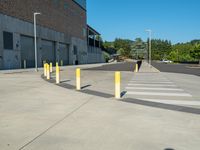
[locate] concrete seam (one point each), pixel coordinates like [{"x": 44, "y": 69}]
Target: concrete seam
[{"x": 56, "y": 123}]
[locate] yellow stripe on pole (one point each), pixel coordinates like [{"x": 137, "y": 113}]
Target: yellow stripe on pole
[
  {"x": 117, "y": 85},
  {"x": 45, "y": 69},
  {"x": 51, "y": 67},
  {"x": 48, "y": 72},
  {"x": 136, "y": 68},
  {"x": 78, "y": 79},
  {"x": 57, "y": 74}
]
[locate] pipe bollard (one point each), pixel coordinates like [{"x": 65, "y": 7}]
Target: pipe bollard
[
  {"x": 57, "y": 74},
  {"x": 45, "y": 69},
  {"x": 51, "y": 67},
  {"x": 117, "y": 85},
  {"x": 78, "y": 79},
  {"x": 136, "y": 68},
  {"x": 57, "y": 64},
  {"x": 48, "y": 72},
  {"x": 61, "y": 62},
  {"x": 24, "y": 64}
]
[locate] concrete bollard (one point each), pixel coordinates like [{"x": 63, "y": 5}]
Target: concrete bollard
[
  {"x": 117, "y": 85},
  {"x": 24, "y": 64},
  {"x": 78, "y": 79},
  {"x": 45, "y": 69},
  {"x": 48, "y": 72},
  {"x": 61, "y": 62},
  {"x": 57, "y": 74},
  {"x": 51, "y": 67},
  {"x": 136, "y": 68}
]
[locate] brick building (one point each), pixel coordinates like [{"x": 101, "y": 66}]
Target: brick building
[{"x": 62, "y": 33}]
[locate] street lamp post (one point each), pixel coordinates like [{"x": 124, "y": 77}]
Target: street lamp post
[
  {"x": 150, "y": 34},
  {"x": 35, "y": 35}
]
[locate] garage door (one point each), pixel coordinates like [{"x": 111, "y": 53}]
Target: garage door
[
  {"x": 64, "y": 53},
  {"x": 27, "y": 51},
  {"x": 48, "y": 51}
]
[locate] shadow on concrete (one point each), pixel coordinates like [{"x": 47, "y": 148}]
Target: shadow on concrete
[
  {"x": 163, "y": 106},
  {"x": 130, "y": 100},
  {"x": 86, "y": 86},
  {"x": 64, "y": 81}
]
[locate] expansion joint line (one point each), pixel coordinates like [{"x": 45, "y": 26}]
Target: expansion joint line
[{"x": 56, "y": 123}]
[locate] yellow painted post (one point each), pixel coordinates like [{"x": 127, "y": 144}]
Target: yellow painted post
[
  {"x": 117, "y": 85},
  {"x": 57, "y": 74},
  {"x": 61, "y": 62},
  {"x": 48, "y": 72},
  {"x": 45, "y": 69},
  {"x": 57, "y": 64},
  {"x": 78, "y": 79},
  {"x": 136, "y": 68},
  {"x": 24, "y": 64},
  {"x": 51, "y": 67}
]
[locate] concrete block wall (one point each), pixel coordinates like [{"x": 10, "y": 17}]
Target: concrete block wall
[
  {"x": 82, "y": 51},
  {"x": 11, "y": 59},
  {"x": 95, "y": 55}
]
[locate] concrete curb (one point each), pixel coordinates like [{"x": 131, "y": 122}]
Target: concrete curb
[{"x": 145, "y": 68}]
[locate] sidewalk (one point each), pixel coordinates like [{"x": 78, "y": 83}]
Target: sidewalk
[{"x": 146, "y": 68}]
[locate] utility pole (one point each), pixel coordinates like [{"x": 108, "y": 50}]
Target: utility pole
[
  {"x": 35, "y": 35},
  {"x": 150, "y": 35}
]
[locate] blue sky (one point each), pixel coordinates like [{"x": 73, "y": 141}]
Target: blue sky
[{"x": 175, "y": 20}]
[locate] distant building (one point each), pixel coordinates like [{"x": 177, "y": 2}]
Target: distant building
[{"x": 62, "y": 33}]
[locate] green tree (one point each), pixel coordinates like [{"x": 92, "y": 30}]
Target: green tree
[
  {"x": 196, "y": 52},
  {"x": 124, "y": 46}
]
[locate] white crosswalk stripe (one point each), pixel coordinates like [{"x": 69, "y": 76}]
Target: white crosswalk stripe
[
  {"x": 157, "y": 88},
  {"x": 159, "y": 94},
  {"x": 154, "y": 89},
  {"x": 153, "y": 85}
]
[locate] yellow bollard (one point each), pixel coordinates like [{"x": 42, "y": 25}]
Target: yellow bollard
[
  {"x": 51, "y": 67},
  {"x": 136, "y": 68},
  {"x": 78, "y": 79},
  {"x": 117, "y": 85},
  {"x": 61, "y": 62},
  {"x": 57, "y": 64},
  {"x": 57, "y": 74},
  {"x": 45, "y": 69},
  {"x": 48, "y": 72}
]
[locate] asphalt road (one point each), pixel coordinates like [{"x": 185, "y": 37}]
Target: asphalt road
[
  {"x": 177, "y": 68},
  {"x": 127, "y": 66}
]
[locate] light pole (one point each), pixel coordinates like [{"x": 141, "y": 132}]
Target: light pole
[
  {"x": 35, "y": 35},
  {"x": 150, "y": 34}
]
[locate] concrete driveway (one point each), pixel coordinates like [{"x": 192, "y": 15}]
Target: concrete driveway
[{"x": 37, "y": 115}]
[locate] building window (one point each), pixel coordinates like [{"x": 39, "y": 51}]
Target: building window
[{"x": 8, "y": 40}]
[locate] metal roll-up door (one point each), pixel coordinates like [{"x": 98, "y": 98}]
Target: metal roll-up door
[
  {"x": 48, "y": 51},
  {"x": 64, "y": 53},
  {"x": 27, "y": 52}
]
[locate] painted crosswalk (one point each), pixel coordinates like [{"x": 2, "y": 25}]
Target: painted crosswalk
[{"x": 157, "y": 88}]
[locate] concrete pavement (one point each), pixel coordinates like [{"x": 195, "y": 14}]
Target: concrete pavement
[{"x": 39, "y": 115}]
